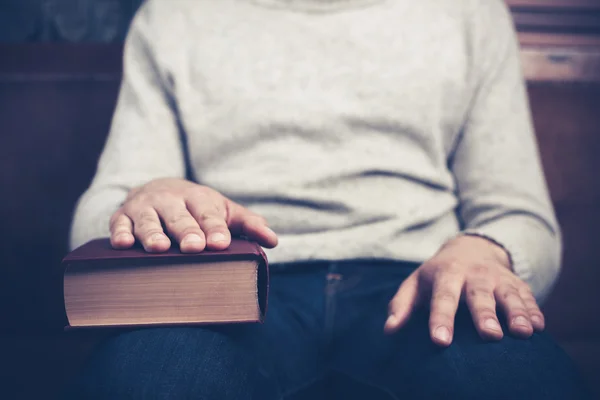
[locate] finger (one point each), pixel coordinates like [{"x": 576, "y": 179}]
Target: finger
[
  {"x": 403, "y": 303},
  {"x": 535, "y": 314},
  {"x": 121, "y": 231},
  {"x": 482, "y": 304},
  {"x": 210, "y": 216},
  {"x": 182, "y": 226},
  {"x": 509, "y": 299},
  {"x": 446, "y": 289},
  {"x": 148, "y": 230},
  {"x": 242, "y": 221}
]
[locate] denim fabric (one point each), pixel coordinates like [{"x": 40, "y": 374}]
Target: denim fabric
[{"x": 323, "y": 339}]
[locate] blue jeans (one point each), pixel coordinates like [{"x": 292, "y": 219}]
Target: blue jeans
[{"x": 323, "y": 339}]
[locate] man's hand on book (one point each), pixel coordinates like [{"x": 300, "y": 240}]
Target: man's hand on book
[
  {"x": 477, "y": 271},
  {"x": 196, "y": 216}
]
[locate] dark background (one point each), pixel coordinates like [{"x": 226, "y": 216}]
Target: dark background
[{"x": 74, "y": 21}]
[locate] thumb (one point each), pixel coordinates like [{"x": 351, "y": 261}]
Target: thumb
[
  {"x": 242, "y": 221},
  {"x": 403, "y": 303}
]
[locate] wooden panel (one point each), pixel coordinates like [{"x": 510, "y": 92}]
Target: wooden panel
[
  {"x": 560, "y": 64},
  {"x": 562, "y": 40},
  {"x": 577, "y": 19},
  {"x": 567, "y": 21},
  {"x": 567, "y": 122}
]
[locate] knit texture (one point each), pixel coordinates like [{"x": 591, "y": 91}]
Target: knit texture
[{"x": 359, "y": 129}]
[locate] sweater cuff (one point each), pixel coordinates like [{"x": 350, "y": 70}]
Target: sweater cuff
[{"x": 519, "y": 262}]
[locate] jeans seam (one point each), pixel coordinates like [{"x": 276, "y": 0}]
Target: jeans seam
[{"x": 331, "y": 288}]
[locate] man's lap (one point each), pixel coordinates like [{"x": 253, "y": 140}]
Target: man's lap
[
  {"x": 328, "y": 322},
  {"x": 247, "y": 361},
  {"x": 407, "y": 365}
]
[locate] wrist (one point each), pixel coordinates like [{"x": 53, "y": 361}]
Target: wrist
[{"x": 497, "y": 250}]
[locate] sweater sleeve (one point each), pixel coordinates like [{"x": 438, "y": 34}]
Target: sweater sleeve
[
  {"x": 501, "y": 185},
  {"x": 144, "y": 141}
]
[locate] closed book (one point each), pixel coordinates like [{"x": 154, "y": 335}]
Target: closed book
[{"x": 106, "y": 287}]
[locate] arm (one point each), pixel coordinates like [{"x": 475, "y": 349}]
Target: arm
[
  {"x": 496, "y": 164},
  {"x": 143, "y": 143}
]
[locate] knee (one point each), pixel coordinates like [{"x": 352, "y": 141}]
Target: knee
[
  {"x": 511, "y": 368},
  {"x": 168, "y": 363}
]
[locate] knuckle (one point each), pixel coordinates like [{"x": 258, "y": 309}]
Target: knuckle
[
  {"x": 161, "y": 197},
  {"x": 446, "y": 274},
  {"x": 145, "y": 226},
  {"x": 453, "y": 267},
  {"x": 533, "y": 308},
  {"x": 511, "y": 295},
  {"x": 146, "y": 223},
  {"x": 526, "y": 290},
  {"x": 536, "y": 313},
  {"x": 130, "y": 207},
  {"x": 527, "y": 297},
  {"x": 198, "y": 193},
  {"x": 480, "y": 292},
  {"x": 209, "y": 217},
  {"x": 486, "y": 312},
  {"x": 178, "y": 218},
  {"x": 479, "y": 270},
  {"x": 141, "y": 197},
  {"x": 120, "y": 230},
  {"x": 203, "y": 189},
  {"x": 120, "y": 225},
  {"x": 509, "y": 291},
  {"x": 146, "y": 216},
  {"x": 191, "y": 230},
  {"x": 150, "y": 232},
  {"x": 444, "y": 296},
  {"x": 530, "y": 302},
  {"x": 518, "y": 311}
]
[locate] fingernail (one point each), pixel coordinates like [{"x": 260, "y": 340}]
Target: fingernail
[
  {"x": 520, "y": 320},
  {"x": 492, "y": 324},
  {"x": 217, "y": 237},
  {"x": 391, "y": 321},
  {"x": 443, "y": 334},
  {"x": 270, "y": 231},
  {"x": 192, "y": 238}
]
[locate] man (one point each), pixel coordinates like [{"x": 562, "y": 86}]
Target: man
[{"x": 389, "y": 146}]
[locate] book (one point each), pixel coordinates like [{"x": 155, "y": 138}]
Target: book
[{"x": 106, "y": 287}]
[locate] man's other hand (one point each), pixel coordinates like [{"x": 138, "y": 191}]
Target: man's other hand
[
  {"x": 196, "y": 216},
  {"x": 474, "y": 270}
]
